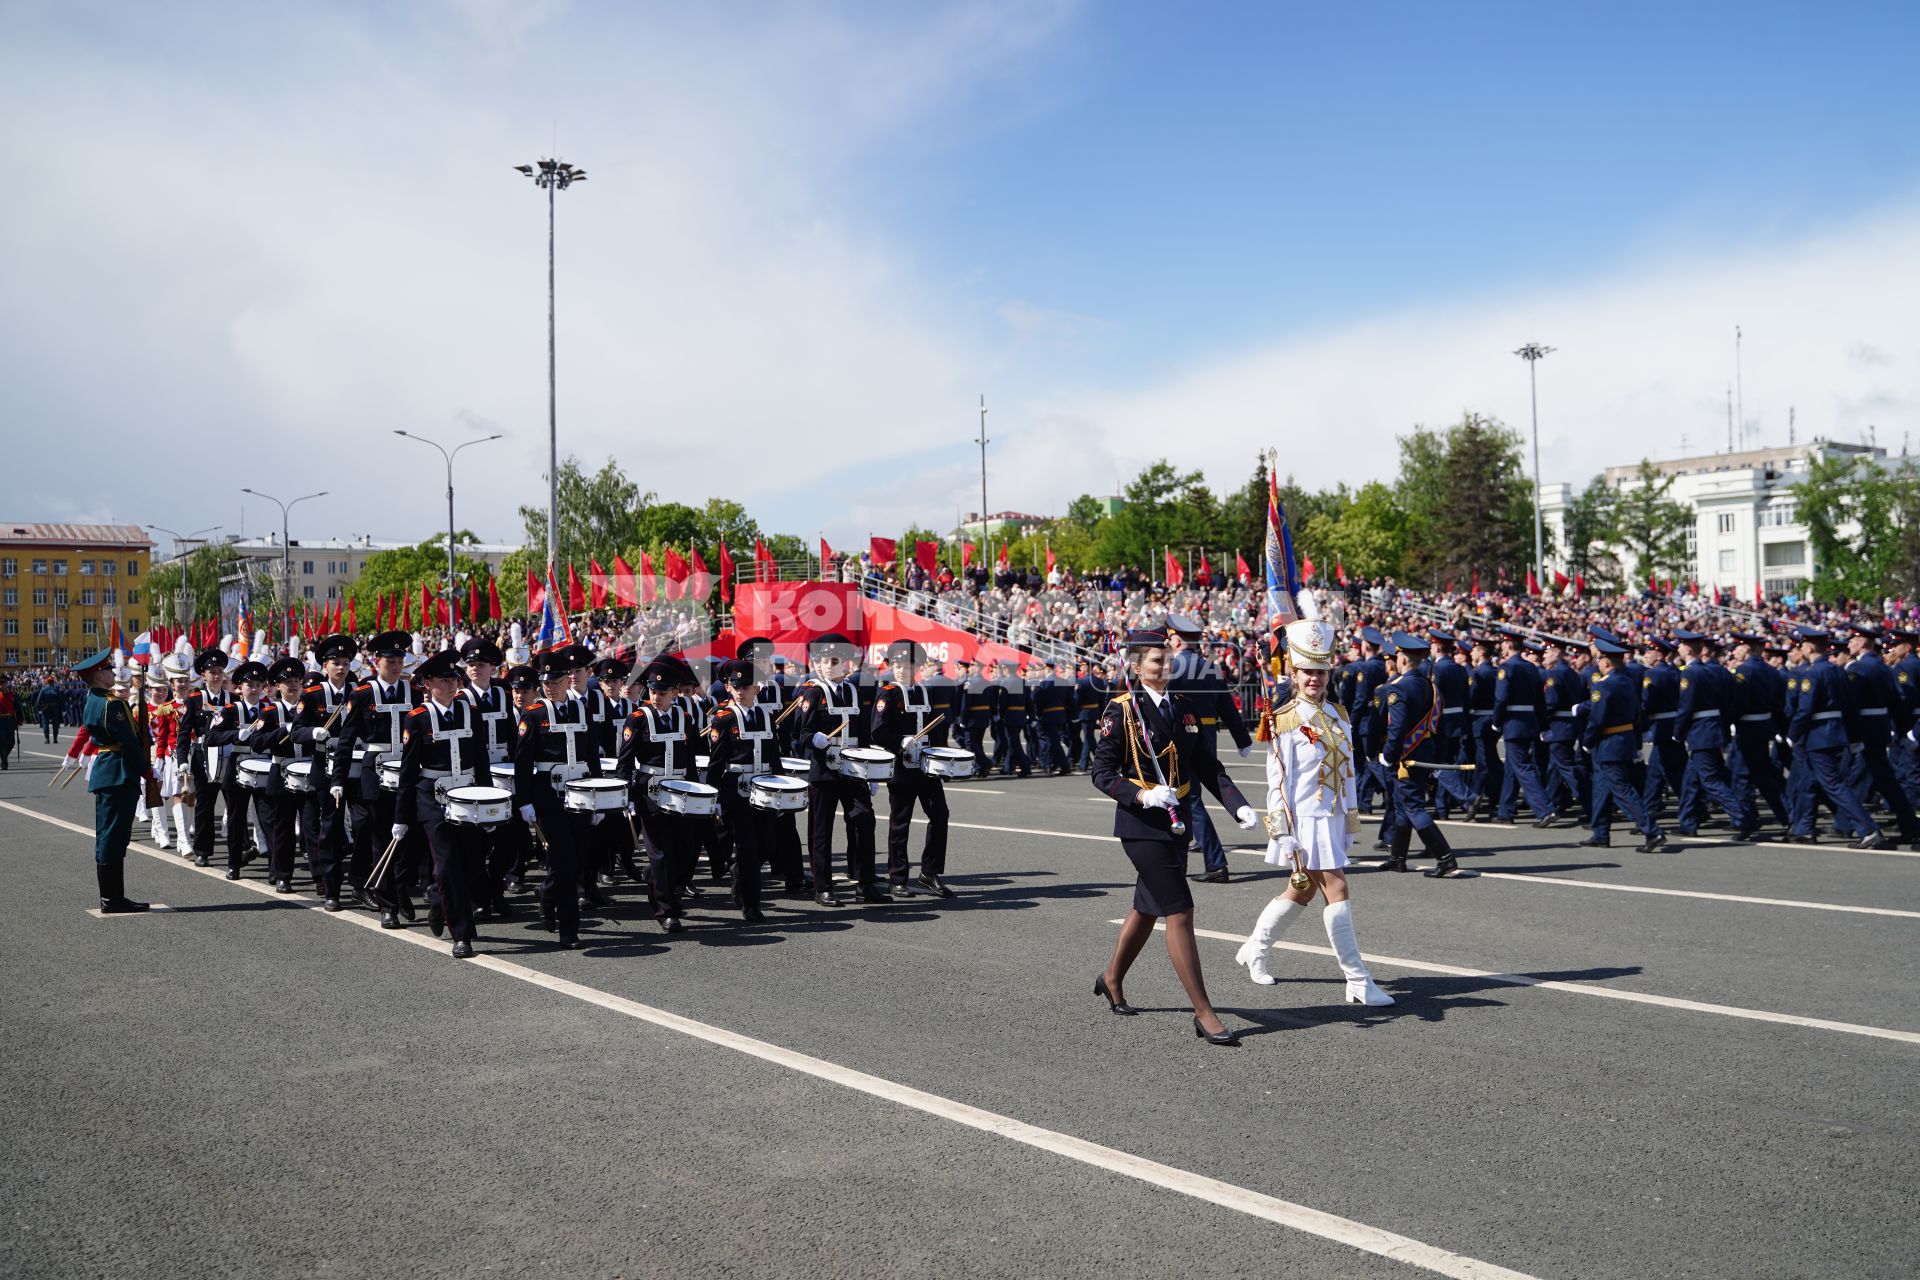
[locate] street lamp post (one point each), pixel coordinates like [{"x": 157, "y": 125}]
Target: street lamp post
[
  {"x": 181, "y": 594},
  {"x": 1533, "y": 353},
  {"x": 986, "y": 545},
  {"x": 449, "y": 458},
  {"x": 286, "y": 552},
  {"x": 553, "y": 175}
]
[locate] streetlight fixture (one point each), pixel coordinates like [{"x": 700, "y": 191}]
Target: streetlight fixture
[
  {"x": 552, "y": 176},
  {"x": 286, "y": 551},
  {"x": 1533, "y": 353},
  {"x": 449, "y": 458},
  {"x": 180, "y": 596}
]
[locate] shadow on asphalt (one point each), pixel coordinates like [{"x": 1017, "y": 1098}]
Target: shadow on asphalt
[{"x": 1427, "y": 998}]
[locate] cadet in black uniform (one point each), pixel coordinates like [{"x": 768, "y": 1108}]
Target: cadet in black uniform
[
  {"x": 555, "y": 747},
  {"x": 323, "y": 822},
  {"x": 979, "y": 704},
  {"x": 524, "y": 681},
  {"x": 901, "y": 715},
  {"x": 1009, "y": 740},
  {"x": 740, "y": 745},
  {"x": 656, "y": 745},
  {"x": 370, "y": 732},
  {"x": 230, "y": 733},
  {"x": 608, "y": 706},
  {"x": 440, "y": 751},
  {"x": 1412, "y": 735},
  {"x": 829, "y": 719},
  {"x": 1149, "y": 755},
  {"x": 1054, "y": 702},
  {"x": 281, "y": 735},
  {"x": 211, "y": 768},
  {"x": 495, "y": 725}
]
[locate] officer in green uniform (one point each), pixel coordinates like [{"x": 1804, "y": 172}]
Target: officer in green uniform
[{"x": 119, "y": 772}]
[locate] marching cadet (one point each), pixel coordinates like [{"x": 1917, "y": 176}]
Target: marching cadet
[
  {"x": 776, "y": 699},
  {"x": 1905, "y": 661},
  {"x": 903, "y": 723},
  {"x": 496, "y": 722},
  {"x": 1660, "y": 704},
  {"x": 1410, "y": 737},
  {"x": 739, "y": 746},
  {"x": 1363, "y": 709},
  {"x": 609, "y": 706},
  {"x": 209, "y": 769},
  {"x": 119, "y": 772},
  {"x": 1450, "y": 687},
  {"x": 440, "y": 752},
  {"x": 555, "y": 747},
  {"x": 979, "y": 704},
  {"x": 655, "y": 745},
  {"x": 1564, "y": 696},
  {"x": 1053, "y": 705},
  {"x": 1009, "y": 742},
  {"x": 828, "y": 720},
  {"x": 323, "y": 816},
  {"x": 235, "y": 725},
  {"x": 370, "y": 732},
  {"x": 1879, "y": 719},
  {"x": 524, "y": 681},
  {"x": 1759, "y": 699},
  {"x": 1612, "y": 740},
  {"x": 1090, "y": 697},
  {"x": 1707, "y": 703},
  {"x": 1489, "y": 771},
  {"x": 1202, "y": 689},
  {"x": 276, "y": 730},
  {"x": 1819, "y": 727},
  {"x": 177, "y": 675},
  {"x": 1516, "y": 709},
  {"x": 696, "y": 710}
]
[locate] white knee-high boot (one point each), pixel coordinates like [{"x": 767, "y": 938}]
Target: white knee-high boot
[
  {"x": 1338, "y": 918},
  {"x": 158, "y": 816},
  {"x": 1253, "y": 952},
  {"x": 180, "y": 826}
]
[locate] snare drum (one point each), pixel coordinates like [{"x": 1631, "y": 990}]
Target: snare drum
[
  {"x": 389, "y": 775},
  {"x": 772, "y": 791},
  {"x": 479, "y": 806},
  {"x": 298, "y": 775},
  {"x": 946, "y": 762},
  {"x": 676, "y": 795},
  {"x": 799, "y": 766},
  {"x": 869, "y": 764},
  {"x": 253, "y": 774},
  {"x": 595, "y": 795},
  {"x": 701, "y": 764},
  {"x": 610, "y": 765}
]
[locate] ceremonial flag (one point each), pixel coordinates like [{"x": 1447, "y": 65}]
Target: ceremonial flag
[
  {"x": 406, "y": 611},
  {"x": 440, "y": 611},
  {"x": 1240, "y": 571},
  {"x": 622, "y": 583},
  {"x": 1003, "y": 555},
  {"x": 597, "y": 580},
  {"x": 649, "y": 588},
  {"x": 114, "y": 639},
  {"x": 553, "y": 624},
  {"x": 1283, "y": 583},
  {"x": 1560, "y": 580},
  {"x": 536, "y": 595},
  {"x": 726, "y": 571},
  {"x": 1759, "y": 596},
  {"x": 473, "y": 599},
  {"x": 493, "y": 599},
  {"x": 826, "y": 555},
  {"x": 883, "y": 550},
  {"x": 1339, "y": 571},
  {"x": 1475, "y": 588},
  {"x": 702, "y": 582},
  {"x": 1667, "y": 587},
  {"x": 1533, "y": 584},
  {"x": 966, "y": 556},
  {"x": 763, "y": 567},
  {"x": 353, "y": 621},
  {"x": 1306, "y": 568},
  {"x": 1203, "y": 559},
  {"x": 1579, "y": 584},
  {"x": 676, "y": 573},
  {"x": 576, "y": 598},
  {"x": 1653, "y": 586},
  {"x": 1175, "y": 574}
]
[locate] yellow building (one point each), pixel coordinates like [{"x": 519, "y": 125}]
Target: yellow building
[{"x": 62, "y": 587}]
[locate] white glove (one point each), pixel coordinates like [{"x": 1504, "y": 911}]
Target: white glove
[
  {"x": 245, "y": 731},
  {"x": 321, "y": 735},
  {"x": 1161, "y": 797},
  {"x": 1245, "y": 817},
  {"x": 1246, "y": 751},
  {"x": 821, "y": 741},
  {"x": 338, "y": 793},
  {"x": 597, "y": 818},
  {"x": 399, "y": 831},
  {"x": 526, "y": 814},
  {"x": 911, "y": 753}
]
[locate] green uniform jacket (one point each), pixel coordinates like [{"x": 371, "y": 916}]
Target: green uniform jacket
[{"x": 125, "y": 754}]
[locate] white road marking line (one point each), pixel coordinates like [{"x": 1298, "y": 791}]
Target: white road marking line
[
  {"x": 1286, "y": 1213},
  {"x": 1694, "y": 893},
  {"x": 1588, "y": 989},
  {"x": 153, "y": 908},
  {"x": 1680, "y": 841}
]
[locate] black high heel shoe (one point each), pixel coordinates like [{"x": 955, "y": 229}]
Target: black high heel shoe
[
  {"x": 1114, "y": 1006},
  {"x": 1227, "y": 1037}
]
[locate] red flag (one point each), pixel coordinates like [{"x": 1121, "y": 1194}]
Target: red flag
[
  {"x": 966, "y": 556},
  {"x": 380, "y": 612},
  {"x": 1693, "y": 588},
  {"x": 763, "y": 570},
  {"x": 1205, "y": 573},
  {"x": 440, "y": 610},
  {"x": 1759, "y": 596},
  {"x": 473, "y": 599},
  {"x": 1002, "y": 557},
  {"x": 406, "y": 611},
  {"x": 1475, "y": 588},
  {"x": 353, "y": 621},
  {"x": 1653, "y": 585},
  {"x": 1049, "y": 557},
  {"x": 1533, "y": 584},
  {"x": 426, "y": 605},
  {"x": 1560, "y": 580},
  {"x": 826, "y": 557},
  {"x": 597, "y": 581},
  {"x": 1667, "y": 587},
  {"x": 648, "y": 587},
  {"x": 1175, "y": 574},
  {"x": 1579, "y": 584},
  {"x": 702, "y": 583},
  {"x": 1240, "y": 569},
  {"x": 726, "y": 572},
  {"x": 576, "y": 598},
  {"x": 676, "y": 572},
  {"x": 1306, "y": 567},
  {"x": 536, "y": 594},
  {"x": 927, "y": 556},
  {"x": 622, "y": 583},
  {"x": 493, "y": 599},
  {"x": 883, "y": 550}
]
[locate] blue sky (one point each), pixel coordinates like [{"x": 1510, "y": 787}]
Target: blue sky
[{"x": 814, "y": 234}]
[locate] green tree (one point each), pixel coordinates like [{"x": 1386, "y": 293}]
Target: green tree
[
  {"x": 1368, "y": 538},
  {"x": 1419, "y": 488},
  {"x": 1086, "y": 511},
  {"x": 1589, "y": 534},
  {"x": 1148, "y": 523},
  {"x": 202, "y": 568},
  {"x": 1652, "y": 527},
  {"x": 407, "y": 569},
  {"x": 1852, "y": 507},
  {"x": 1484, "y": 523},
  {"x": 1906, "y": 561},
  {"x": 595, "y": 513}
]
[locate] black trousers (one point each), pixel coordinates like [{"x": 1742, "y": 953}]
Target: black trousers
[
  {"x": 669, "y": 855},
  {"x": 905, "y": 789},
  {"x": 824, "y": 798},
  {"x": 455, "y": 854},
  {"x": 323, "y": 827},
  {"x": 205, "y": 795},
  {"x": 566, "y": 835},
  {"x": 277, "y": 810},
  {"x": 238, "y": 800},
  {"x": 757, "y": 840}
]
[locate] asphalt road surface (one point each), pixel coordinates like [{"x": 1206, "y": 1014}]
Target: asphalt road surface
[{"x": 1601, "y": 1064}]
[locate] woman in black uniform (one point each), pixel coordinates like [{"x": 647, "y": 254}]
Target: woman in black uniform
[{"x": 1148, "y": 755}]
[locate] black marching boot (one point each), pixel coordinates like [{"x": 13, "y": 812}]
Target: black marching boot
[
  {"x": 1397, "y": 851},
  {"x": 1434, "y": 841},
  {"x": 113, "y": 890}
]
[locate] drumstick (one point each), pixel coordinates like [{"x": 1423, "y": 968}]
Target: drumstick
[
  {"x": 929, "y": 729},
  {"x": 60, "y": 769},
  {"x": 380, "y": 867},
  {"x": 791, "y": 707},
  {"x": 71, "y": 777}
]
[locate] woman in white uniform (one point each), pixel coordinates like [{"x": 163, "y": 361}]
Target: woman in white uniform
[{"x": 1310, "y": 812}]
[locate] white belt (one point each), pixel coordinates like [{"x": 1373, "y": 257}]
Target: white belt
[
  {"x": 1519, "y": 706},
  {"x": 1566, "y": 715},
  {"x": 1663, "y": 715},
  {"x": 1871, "y": 711},
  {"x": 496, "y": 755},
  {"x": 1757, "y": 717},
  {"x": 1711, "y": 713},
  {"x": 465, "y": 775},
  {"x": 1826, "y": 715}
]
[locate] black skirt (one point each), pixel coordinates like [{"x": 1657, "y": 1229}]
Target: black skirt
[{"x": 1162, "y": 888}]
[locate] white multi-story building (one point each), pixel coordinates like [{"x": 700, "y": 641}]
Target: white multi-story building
[
  {"x": 1745, "y": 531},
  {"x": 321, "y": 571}
]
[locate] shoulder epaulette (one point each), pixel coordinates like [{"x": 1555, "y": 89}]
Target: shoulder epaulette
[
  {"x": 1288, "y": 717},
  {"x": 1120, "y": 697},
  {"x": 364, "y": 684},
  {"x": 312, "y": 688},
  {"x": 418, "y": 710}
]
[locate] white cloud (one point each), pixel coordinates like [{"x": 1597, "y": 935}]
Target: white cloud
[{"x": 1642, "y": 364}]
